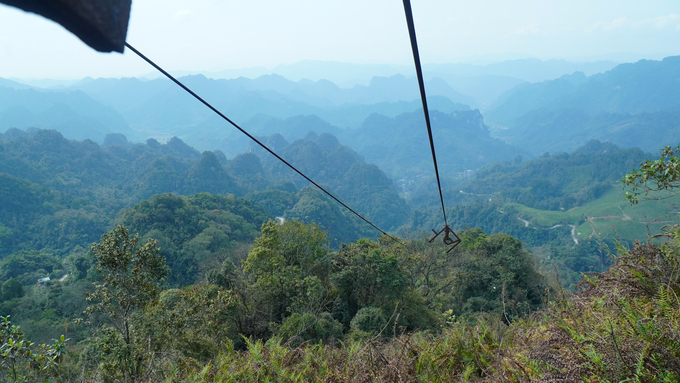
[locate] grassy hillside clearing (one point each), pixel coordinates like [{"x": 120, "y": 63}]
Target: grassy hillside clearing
[{"x": 610, "y": 216}]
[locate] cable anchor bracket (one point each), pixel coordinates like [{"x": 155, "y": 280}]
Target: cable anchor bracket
[{"x": 447, "y": 237}]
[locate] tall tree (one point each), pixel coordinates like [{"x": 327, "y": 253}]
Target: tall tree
[
  {"x": 289, "y": 269},
  {"x": 131, "y": 279}
]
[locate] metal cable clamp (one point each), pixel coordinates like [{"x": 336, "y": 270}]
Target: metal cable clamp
[{"x": 447, "y": 237}]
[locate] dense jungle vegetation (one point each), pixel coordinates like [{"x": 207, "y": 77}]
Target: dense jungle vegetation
[
  {"x": 169, "y": 264},
  {"x": 145, "y": 320}
]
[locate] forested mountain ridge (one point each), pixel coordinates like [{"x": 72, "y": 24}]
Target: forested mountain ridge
[
  {"x": 644, "y": 86},
  {"x": 400, "y": 145},
  {"x": 362, "y": 185},
  {"x": 561, "y": 181},
  {"x": 75, "y": 189},
  {"x": 566, "y": 207},
  {"x": 621, "y": 105}
]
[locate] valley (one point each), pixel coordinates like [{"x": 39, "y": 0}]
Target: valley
[{"x": 248, "y": 255}]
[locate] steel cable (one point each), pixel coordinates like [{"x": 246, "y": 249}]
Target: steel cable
[
  {"x": 169, "y": 76},
  {"x": 421, "y": 84}
]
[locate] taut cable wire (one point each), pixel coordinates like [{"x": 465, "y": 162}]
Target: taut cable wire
[
  {"x": 419, "y": 71},
  {"x": 168, "y": 75},
  {"x": 421, "y": 84}
]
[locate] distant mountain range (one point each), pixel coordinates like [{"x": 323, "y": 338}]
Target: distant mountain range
[
  {"x": 142, "y": 109},
  {"x": 375, "y": 120},
  {"x": 484, "y": 83},
  {"x": 73, "y": 113},
  {"x": 348, "y": 75},
  {"x": 143, "y": 102},
  {"x": 631, "y": 105}
]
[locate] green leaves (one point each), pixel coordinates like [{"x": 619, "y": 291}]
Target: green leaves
[
  {"x": 131, "y": 276},
  {"x": 20, "y": 361},
  {"x": 192, "y": 231},
  {"x": 288, "y": 269},
  {"x": 654, "y": 176}
]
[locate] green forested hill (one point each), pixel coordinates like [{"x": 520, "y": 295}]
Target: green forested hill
[
  {"x": 561, "y": 181},
  {"x": 22, "y": 202},
  {"x": 197, "y": 232},
  {"x": 400, "y": 145},
  {"x": 75, "y": 189},
  {"x": 567, "y": 207},
  {"x": 365, "y": 187}
]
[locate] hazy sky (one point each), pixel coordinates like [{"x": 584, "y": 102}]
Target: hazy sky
[{"x": 212, "y": 35}]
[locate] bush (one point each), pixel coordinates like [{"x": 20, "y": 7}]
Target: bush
[
  {"x": 299, "y": 328},
  {"x": 370, "y": 320}
]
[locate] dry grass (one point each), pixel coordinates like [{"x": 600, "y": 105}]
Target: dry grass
[
  {"x": 462, "y": 352},
  {"x": 622, "y": 326}
]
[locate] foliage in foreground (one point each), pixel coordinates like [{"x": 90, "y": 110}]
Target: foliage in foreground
[
  {"x": 624, "y": 325},
  {"x": 460, "y": 352},
  {"x": 22, "y": 361},
  {"x": 293, "y": 292},
  {"x": 296, "y": 311},
  {"x": 655, "y": 176}
]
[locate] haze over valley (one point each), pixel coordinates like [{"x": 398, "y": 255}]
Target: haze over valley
[
  {"x": 145, "y": 238},
  {"x": 368, "y": 142}
]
